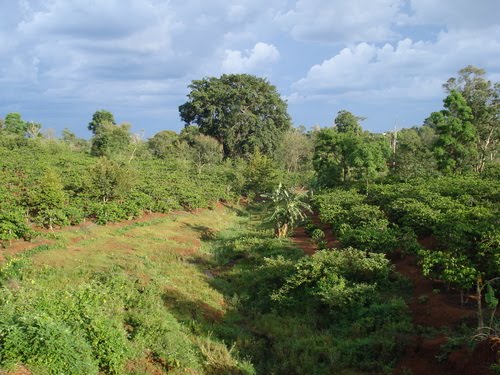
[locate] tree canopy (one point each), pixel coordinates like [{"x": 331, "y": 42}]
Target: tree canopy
[
  {"x": 241, "y": 111},
  {"x": 347, "y": 122},
  {"x": 109, "y": 138},
  {"x": 100, "y": 118},
  {"x": 483, "y": 98},
  {"x": 456, "y": 135},
  {"x": 345, "y": 153},
  {"x": 14, "y": 124}
]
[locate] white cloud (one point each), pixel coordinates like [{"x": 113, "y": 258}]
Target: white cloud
[
  {"x": 407, "y": 69},
  {"x": 140, "y": 55},
  {"x": 257, "y": 59},
  {"x": 338, "y": 21}
]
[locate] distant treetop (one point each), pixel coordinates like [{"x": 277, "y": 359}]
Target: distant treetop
[{"x": 241, "y": 111}]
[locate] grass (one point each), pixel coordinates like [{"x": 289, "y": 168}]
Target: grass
[{"x": 149, "y": 302}]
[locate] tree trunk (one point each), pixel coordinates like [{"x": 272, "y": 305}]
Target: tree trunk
[
  {"x": 283, "y": 230},
  {"x": 479, "y": 296}
]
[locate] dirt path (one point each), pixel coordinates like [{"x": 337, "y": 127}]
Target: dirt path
[
  {"x": 19, "y": 246},
  {"x": 302, "y": 240}
]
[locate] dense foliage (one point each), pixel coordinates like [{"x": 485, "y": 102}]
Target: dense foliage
[{"x": 241, "y": 111}]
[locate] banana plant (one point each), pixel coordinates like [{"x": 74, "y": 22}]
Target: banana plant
[{"x": 288, "y": 209}]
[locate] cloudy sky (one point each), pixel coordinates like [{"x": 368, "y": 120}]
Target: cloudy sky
[{"x": 61, "y": 60}]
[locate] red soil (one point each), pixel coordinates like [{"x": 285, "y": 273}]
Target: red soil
[
  {"x": 304, "y": 242},
  {"x": 431, "y": 306}
]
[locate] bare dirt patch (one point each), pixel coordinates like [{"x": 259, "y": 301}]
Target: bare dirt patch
[
  {"x": 302, "y": 240},
  {"x": 20, "y": 371},
  {"x": 19, "y": 246}
]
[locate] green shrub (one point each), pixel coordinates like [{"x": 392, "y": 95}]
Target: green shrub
[
  {"x": 13, "y": 225},
  {"x": 409, "y": 212},
  {"x": 317, "y": 235},
  {"x": 44, "y": 344},
  {"x": 74, "y": 215},
  {"x": 345, "y": 210},
  {"x": 369, "y": 238},
  {"x": 407, "y": 240},
  {"x": 338, "y": 279},
  {"x": 105, "y": 212},
  {"x": 153, "y": 329},
  {"x": 309, "y": 227}
]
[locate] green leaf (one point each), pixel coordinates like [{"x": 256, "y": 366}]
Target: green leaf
[{"x": 490, "y": 298}]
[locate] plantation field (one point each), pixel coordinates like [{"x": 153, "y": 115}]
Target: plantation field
[
  {"x": 207, "y": 292},
  {"x": 243, "y": 245}
]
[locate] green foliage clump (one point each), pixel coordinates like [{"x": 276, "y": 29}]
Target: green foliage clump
[
  {"x": 241, "y": 111},
  {"x": 44, "y": 344},
  {"x": 318, "y": 236},
  {"x": 331, "y": 312},
  {"x": 370, "y": 238},
  {"x": 411, "y": 213},
  {"x": 344, "y": 154},
  {"x": 455, "y": 146},
  {"x": 46, "y": 200},
  {"x": 453, "y": 269},
  {"x": 333, "y": 204},
  {"x": 13, "y": 225},
  {"x": 339, "y": 279},
  {"x": 94, "y": 326},
  {"x": 260, "y": 175}
]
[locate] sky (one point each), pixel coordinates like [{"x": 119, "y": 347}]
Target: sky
[{"x": 386, "y": 60}]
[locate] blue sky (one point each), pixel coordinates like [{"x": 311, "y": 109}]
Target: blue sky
[{"x": 61, "y": 60}]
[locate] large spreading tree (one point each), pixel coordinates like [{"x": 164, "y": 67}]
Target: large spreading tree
[{"x": 241, "y": 111}]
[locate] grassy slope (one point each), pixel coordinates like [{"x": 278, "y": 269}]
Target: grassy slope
[{"x": 159, "y": 257}]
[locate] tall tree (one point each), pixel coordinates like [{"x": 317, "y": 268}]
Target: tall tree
[
  {"x": 163, "y": 144},
  {"x": 241, "y": 111},
  {"x": 483, "y": 98},
  {"x": 413, "y": 154},
  {"x": 347, "y": 122},
  {"x": 345, "y": 153},
  {"x": 456, "y": 136},
  {"x": 110, "y": 139},
  {"x": 295, "y": 151},
  {"x": 205, "y": 150},
  {"x": 100, "y": 118},
  {"x": 14, "y": 124}
]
